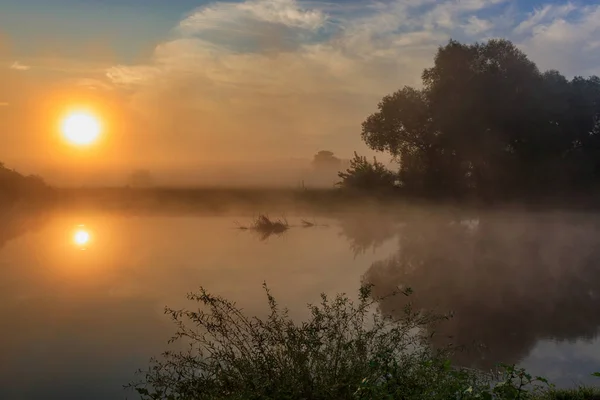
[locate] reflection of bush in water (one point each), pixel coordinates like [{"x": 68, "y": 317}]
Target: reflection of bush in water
[
  {"x": 367, "y": 232},
  {"x": 511, "y": 280},
  {"x": 22, "y": 199}
]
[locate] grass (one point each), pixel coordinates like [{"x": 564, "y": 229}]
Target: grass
[
  {"x": 308, "y": 224},
  {"x": 268, "y": 227},
  {"x": 272, "y": 226},
  {"x": 582, "y": 393},
  {"x": 345, "y": 350}
]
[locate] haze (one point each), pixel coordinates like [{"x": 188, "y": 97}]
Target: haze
[
  {"x": 151, "y": 148},
  {"x": 194, "y": 91}
]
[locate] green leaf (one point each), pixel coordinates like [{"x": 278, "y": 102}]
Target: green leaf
[
  {"x": 486, "y": 396},
  {"x": 596, "y": 374},
  {"x": 447, "y": 365}
]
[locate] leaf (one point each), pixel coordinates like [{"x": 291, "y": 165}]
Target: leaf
[
  {"x": 596, "y": 374},
  {"x": 447, "y": 365}
]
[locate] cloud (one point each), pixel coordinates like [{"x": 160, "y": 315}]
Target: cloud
[
  {"x": 566, "y": 44},
  {"x": 121, "y": 74},
  {"x": 544, "y": 14},
  {"x": 19, "y": 67},
  {"x": 4, "y": 104},
  {"x": 282, "y": 76},
  {"x": 283, "y": 12},
  {"x": 448, "y": 14},
  {"x": 475, "y": 25}
]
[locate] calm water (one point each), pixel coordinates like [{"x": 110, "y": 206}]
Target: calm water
[{"x": 79, "y": 318}]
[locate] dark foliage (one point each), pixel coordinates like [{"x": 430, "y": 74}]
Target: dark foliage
[
  {"x": 487, "y": 123},
  {"x": 345, "y": 350},
  {"x": 15, "y": 187},
  {"x": 325, "y": 159},
  {"x": 365, "y": 176}
]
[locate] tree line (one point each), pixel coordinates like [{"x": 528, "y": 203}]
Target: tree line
[
  {"x": 486, "y": 123},
  {"x": 15, "y": 186}
]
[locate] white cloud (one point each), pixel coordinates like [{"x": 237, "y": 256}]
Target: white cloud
[
  {"x": 448, "y": 14},
  {"x": 544, "y": 14},
  {"x": 475, "y": 25},
  {"x": 567, "y": 44},
  {"x": 19, "y": 67},
  {"x": 219, "y": 43},
  {"x": 284, "y": 12},
  {"x": 227, "y": 43},
  {"x": 316, "y": 70}
]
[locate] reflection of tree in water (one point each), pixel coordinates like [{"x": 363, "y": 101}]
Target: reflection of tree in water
[
  {"x": 365, "y": 232},
  {"x": 511, "y": 280},
  {"x": 14, "y": 224},
  {"x": 21, "y": 199}
]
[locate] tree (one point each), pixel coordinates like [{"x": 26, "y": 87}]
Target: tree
[
  {"x": 325, "y": 160},
  {"x": 488, "y": 122}
]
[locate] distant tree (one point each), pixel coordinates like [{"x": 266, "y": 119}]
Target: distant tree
[
  {"x": 325, "y": 159},
  {"x": 141, "y": 178},
  {"x": 15, "y": 186},
  {"x": 365, "y": 176},
  {"x": 488, "y": 122}
]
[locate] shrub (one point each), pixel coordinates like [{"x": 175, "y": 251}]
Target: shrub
[
  {"x": 345, "y": 350},
  {"x": 365, "y": 176}
]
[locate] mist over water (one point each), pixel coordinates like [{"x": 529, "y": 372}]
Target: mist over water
[
  {"x": 512, "y": 280},
  {"x": 524, "y": 287}
]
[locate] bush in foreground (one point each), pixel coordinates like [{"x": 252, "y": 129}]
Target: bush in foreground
[{"x": 346, "y": 350}]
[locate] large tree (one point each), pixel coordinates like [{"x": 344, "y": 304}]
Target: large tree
[{"x": 487, "y": 121}]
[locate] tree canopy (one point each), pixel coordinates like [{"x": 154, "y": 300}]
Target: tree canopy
[
  {"x": 488, "y": 122},
  {"x": 325, "y": 160},
  {"x": 363, "y": 175}
]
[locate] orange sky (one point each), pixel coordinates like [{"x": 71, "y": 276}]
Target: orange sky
[{"x": 197, "y": 86}]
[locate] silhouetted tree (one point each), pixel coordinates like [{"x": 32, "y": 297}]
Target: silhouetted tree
[
  {"x": 363, "y": 175},
  {"x": 488, "y": 122},
  {"x": 325, "y": 159}
]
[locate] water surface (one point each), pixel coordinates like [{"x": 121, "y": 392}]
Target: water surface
[{"x": 80, "y": 313}]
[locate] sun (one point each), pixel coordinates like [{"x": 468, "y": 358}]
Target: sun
[
  {"x": 81, "y": 128},
  {"x": 81, "y": 236}
]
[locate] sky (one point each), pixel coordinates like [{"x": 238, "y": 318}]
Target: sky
[{"x": 187, "y": 85}]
